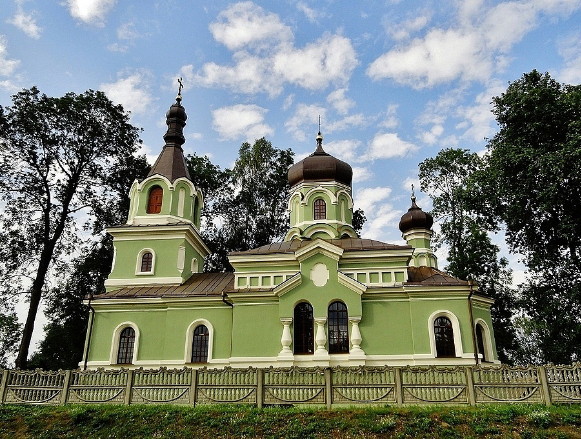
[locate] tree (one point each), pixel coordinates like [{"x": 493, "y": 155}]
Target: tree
[
  {"x": 250, "y": 209},
  {"x": 534, "y": 169},
  {"x": 62, "y": 346},
  {"x": 55, "y": 155},
  {"x": 532, "y": 185},
  {"x": 9, "y": 335},
  {"x": 472, "y": 255}
]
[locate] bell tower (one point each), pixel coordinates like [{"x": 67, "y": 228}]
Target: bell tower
[
  {"x": 320, "y": 204},
  {"x": 161, "y": 244}
]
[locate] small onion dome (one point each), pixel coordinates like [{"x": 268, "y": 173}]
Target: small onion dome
[
  {"x": 320, "y": 166},
  {"x": 415, "y": 218}
]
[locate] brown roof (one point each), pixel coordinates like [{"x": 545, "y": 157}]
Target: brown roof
[
  {"x": 431, "y": 276},
  {"x": 347, "y": 244},
  {"x": 171, "y": 164},
  {"x": 198, "y": 285}
]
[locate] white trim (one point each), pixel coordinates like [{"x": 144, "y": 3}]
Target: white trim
[
  {"x": 181, "y": 201},
  {"x": 349, "y": 197},
  {"x": 194, "y": 266},
  {"x": 115, "y": 342},
  {"x": 144, "y": 281},
  {"x": 319, "y": 246},
  {"x": 288, "y": 284},
  {"x": 455, "y": 329},
  {"x": 319, "y": 189},
  {"x": 352, "y": 284},
  {"x": 190, "y": 337},
  {"x": 138, "y": 271},
  {"x": 487, "y": 340}
]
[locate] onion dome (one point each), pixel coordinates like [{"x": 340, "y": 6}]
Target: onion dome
[
  {"x": 415, "y": 218},
  {"x": 320, "y": 166},
  {"x": 171, "y": 163}
]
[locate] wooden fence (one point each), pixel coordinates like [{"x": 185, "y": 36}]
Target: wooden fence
[{"x": 291, "y": 386}]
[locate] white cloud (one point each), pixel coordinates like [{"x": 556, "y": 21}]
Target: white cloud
[
  {"x": 311, "y": 14},
  {"x": 390, "y": 120},
  {"x": 361, "y": 174},
  {"x": 7, "y": 66},
  {"x": 409, "y": 181},
  {"x": 402, "y": 31},
  {"x": 388, "y": 145},
  {"x": 339, "y": 101},
  {"x": 430, "y": 137},
  {"x": 345, "y": 150},
  {"x": 26, "y": 23},
  {"x": 354, "y": 120},
  {"x": 472, "y": 50},
  {"x": 302, "y": 124},
  {"x": 570, "y": 51},
  {"x": 478, "y": 121},
  {"x": 265, "y": 59},
  {"x": 247, "y": 24},
  {"x": 241, "y": 121},
  {"x": 288, "y": 101},
  {"x": 331, "y": 59},
  {"x": 381, "y": 216},
  {"x": 131, "y": 91},
  {"x": 368, "y": 198},
  {"x": 90, "y": 11}
]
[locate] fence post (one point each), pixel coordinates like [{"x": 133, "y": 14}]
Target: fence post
[
  {"x": 542, "y": 371},
  {"x": 328, "y": 387},
  {"x": 470, "y": 385},
  {"x": 398, "y": 386},
  {"x": 128, "y": 386},
  {"x": 3, "y": 384},
  {"x": 259, "y": 388},
  {"x": 194, "y": 387},
  {"x": 66, "y": 384}
]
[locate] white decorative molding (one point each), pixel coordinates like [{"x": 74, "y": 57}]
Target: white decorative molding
[
  {"x": 181, "y": 260},
  {"x": 286, "y": 339},
  {"x": 143, "y": 281},
  {"x": 455, "y": 329},
  {"x": 350, "y": 283},
  {"x": 288, "y": 285},
  {"x": 319, "y": 275},
  {"x": 190, "y": 339},
  {"x": 181, "y": 201},
  {"x": 319, "y": 246},
  {"x": 115, "y": 342},
  {"x": 487, "y": 339},
  {"x": 356, "y": 352},
  {"x": 320, "y": 339}
]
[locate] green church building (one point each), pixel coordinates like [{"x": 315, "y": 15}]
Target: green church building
[{"x": 322, "y": 297}]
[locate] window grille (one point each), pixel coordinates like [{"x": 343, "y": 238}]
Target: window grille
[
  {"x": 337, "y": 319},
  {"x": 303, "y": 341},
  {"x": 200, "y": 344},
  {"x": 126, "y": 346},
  {"x": 146, "y": 262},
  {"x": 320, "y": 209},
  {"x": 444, "y": 335}
]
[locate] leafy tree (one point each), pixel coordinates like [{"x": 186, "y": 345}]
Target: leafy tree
[
  {"x": 250, "y": 209},
  {"x": 62, "y": 346},
  {"x": 55, "y": 157},
  {"x": 472, "y": 255},
  {"x": 9, "y": 336},
  {"x": 534, "y": 169},
  {"x": 532, "y": 184}
]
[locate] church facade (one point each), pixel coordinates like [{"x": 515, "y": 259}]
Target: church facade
[{"x": 322, "y": 297}]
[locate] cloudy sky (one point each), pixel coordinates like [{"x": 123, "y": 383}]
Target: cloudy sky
[{"x": 394, "y": 81}]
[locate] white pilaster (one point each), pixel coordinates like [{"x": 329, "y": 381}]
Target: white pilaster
[
  {"x": 356, "y": 353},
  {"x": 286, "y": 354},
  {"x": 321, "y": 352}
]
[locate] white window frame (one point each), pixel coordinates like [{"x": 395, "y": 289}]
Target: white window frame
[
  {"x": 190, "y": 340},
  {"x": 455, "y": 327},
  {"x": 487, "y": 340},
  {"x": 116, "y": 338},
  {"x": 138, "y": 271}
]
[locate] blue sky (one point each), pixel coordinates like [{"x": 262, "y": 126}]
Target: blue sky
[{"x": 394, "y": 81}]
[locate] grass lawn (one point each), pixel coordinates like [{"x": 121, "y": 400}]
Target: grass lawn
[{"x": 166, "y": 421}]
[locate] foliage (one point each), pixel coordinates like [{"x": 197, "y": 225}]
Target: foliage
[
  {"x": 534, "y": 169},
  {"x": 532, "y": 183},
  {"x": 62, "y": 346},
  {"x": 56, "y": 155},
  {"x": 249, "y": 209},
  {"x": 472, "y": 255},
  {"x": 165, "y": 421},
  {"x": 9, "y": 336}
]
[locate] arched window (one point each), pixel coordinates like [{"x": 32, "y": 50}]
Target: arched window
[
  {"x": 155, "y": 199},
  {"x": 303, "y": 328},
  {"x": 338, "y": 330},
  {"x": 319, "y": 209},
  {"x": 444, "y": 337},
  {"x": 126, "y": 346},
  {"x": 200, "y": 344},
  {"x": 480, "y": 341},
  {"x": 146, "y": 262}
]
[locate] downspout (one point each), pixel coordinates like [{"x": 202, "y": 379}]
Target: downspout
[
  {"x": 231, "y": 305},
  {"x": 472, "y": 321},
  {"x": 89, "y": 333}
]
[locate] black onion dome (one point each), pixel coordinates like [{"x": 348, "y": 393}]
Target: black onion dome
[
  {"x": 415, "y": 218},
  {"x": 320, "y": 166}
]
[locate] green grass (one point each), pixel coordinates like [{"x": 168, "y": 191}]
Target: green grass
[{"x": 165, "y": 421}]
